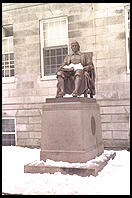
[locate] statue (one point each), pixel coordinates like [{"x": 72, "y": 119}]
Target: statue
[{"x": 76, "y": 75}]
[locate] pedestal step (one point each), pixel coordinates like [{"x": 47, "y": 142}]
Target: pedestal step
[{"x": 92, "y": 168}]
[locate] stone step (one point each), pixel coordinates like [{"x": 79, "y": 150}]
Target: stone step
[{"x": 84, "y": 171}]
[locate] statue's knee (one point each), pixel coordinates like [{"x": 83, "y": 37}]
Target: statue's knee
[
  {"x": 79, "y": 73},
  {"x": 77, "y": 77},
  {"x": 60, "y": 74}
]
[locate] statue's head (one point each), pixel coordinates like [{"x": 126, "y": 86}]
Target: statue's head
[{"x": 75, "y": 46}]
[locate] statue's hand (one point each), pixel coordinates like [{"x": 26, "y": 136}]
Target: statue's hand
[
  {"x": 60, "y": 68},
  {"x": 88, "y": 68},
  {"x": 68, "y": 69},
  {"x": 85, "y": 68}
]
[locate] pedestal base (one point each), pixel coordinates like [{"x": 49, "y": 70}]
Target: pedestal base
[
  {"x": 84, "y": 170},
  {"x": 71, "y": 130}
]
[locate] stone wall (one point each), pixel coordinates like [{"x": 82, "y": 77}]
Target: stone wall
[{"x": 99, "y": 28}]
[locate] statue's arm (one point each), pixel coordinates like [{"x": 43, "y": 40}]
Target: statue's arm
[
  {"x": 64, "y": 63},
  {"x": 88, "y": 63},
  {"x": 89, "y": 67}
]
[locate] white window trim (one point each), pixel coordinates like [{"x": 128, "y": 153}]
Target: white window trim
[
  {"x": 52, "y": 77},
  {"x": 11, "y": 132},
  {"x": 8, "y": 79},
  {"x": 127, "y": 35}
]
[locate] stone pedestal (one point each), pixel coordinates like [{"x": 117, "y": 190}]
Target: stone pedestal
[{"x": 71, "y": 130}]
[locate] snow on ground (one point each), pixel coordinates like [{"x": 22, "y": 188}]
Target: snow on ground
[{"x": 114, "y": 179}]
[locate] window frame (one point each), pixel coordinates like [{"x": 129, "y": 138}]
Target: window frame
[
  {"x": 50, "y": 77},
  {"x": 12, "y": 133},
  {"x": 127, "y": 34},
  {"x": 9, "y": 79}
]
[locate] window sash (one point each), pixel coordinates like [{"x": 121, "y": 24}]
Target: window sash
[
  {"x": 54, "y": 33},
  {"x": 53, "y": 58},
  {"x": 8, "y": 140},
  {"x": 9, "y": 124},
  {"x": 7, "y": 30},
  {"x": 8, "y": 65},
  {"x": 7, "y": 45},
  {"x": 44, "y": 25},
  {"x": 7, "y": 133}
]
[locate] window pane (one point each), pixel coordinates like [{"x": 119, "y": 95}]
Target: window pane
[
  {"x": 45, "y": 35},
  {"x": 6, "y": 62},
  {"x": 8, "y": 139},
  {"x": 46, "y": 43},
  {"x": 8, "y": 125},
  {"x": 6, "y": 73},
  {"x": 53, "y": 60},
  {"x": 11, "y": 56},
  {"x": 2, "y": 73},
  {"x": 47, "y": 61},
  {"x": 65, "y": 51},
  {"x": 47, "y": 71},
  {"x": 51, "y": 27},
  {"x": 45, "y": 26},
  {"x": 3, "y": 57},
  {"x": 6, "y": 66},
  {"x": 52, "y": 52},
  {"x": 6, "y": 56},
  {"x": 46, "y": 52},
  {"x": 53, "y": 31},
  {"x": 11, "y": 66},
  {"x": 4, "y": 46},
  {"x": 12, "y": 62},
  {"x": 12, "y": 72},
  {"x": 63, "y": 58},
  {"x": 58, "y": 66},
  {"x": 8, "y": 30},
  {"x": 11, "y": 44},
  {"x": 59, "y": 59},
  {"x": 58, "y": 51},
  {"x": 53, "y": 69}
]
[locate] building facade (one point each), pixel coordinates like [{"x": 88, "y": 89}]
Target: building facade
[{"x": 35, "y": 39}]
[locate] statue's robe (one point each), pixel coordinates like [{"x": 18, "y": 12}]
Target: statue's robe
[{"x": 87, "y": 76}]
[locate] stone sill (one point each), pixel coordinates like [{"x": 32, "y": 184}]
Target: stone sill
[
  {"x": 53, "y": 77},
  {"x": 8, "y": 80}
]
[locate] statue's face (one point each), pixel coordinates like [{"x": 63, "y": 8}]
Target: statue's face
[{"x": 74, "y": 47}]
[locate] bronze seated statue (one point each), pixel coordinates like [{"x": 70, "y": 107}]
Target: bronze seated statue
[{"x": 76, "y": 76}]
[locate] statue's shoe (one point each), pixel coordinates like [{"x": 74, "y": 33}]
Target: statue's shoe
[
  {"x": 61, "y": 94},
  {"x": 74, "y": 94}
]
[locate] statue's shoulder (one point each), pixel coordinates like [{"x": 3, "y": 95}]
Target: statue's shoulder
[
  {"x": 68, "y": 56},
  {"x": 88, "y": 55}
]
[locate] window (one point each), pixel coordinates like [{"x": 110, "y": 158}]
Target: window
[
  {"x": 7, "y": 52},
  {"x": 127, "y": 26},
  {"x": 54, "y": 44},
  {"x": 8, "y": 132}
]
